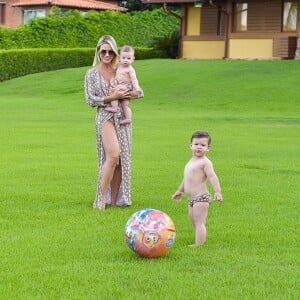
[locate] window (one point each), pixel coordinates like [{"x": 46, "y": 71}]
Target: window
[
  {"x": 219, "y": 23},
  {"x": 289, "y": 22},
  {"x": 32, "y": 14},
  {"x": 241, "y": 16},
  {"x": 2, "y": 9}
]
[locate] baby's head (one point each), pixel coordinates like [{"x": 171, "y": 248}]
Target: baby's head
[
  {"x": 201, "y": 134},
  {"x": 200, "y": 143},
  {"x": 126, "y": 55}
]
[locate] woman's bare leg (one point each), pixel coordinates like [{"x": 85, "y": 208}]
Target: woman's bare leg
[
  {"x": 112, "y": 153},
  {"x": 115, "y": 184}
]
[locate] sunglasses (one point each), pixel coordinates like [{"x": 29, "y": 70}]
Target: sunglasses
[{"x": 109, "y": 52}]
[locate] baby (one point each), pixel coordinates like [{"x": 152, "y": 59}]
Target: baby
[{"x": 126, "y": 79}]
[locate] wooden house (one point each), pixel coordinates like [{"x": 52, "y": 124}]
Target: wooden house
[
  {"x": 240, "y": 29},
  {"x": 16, "y": 12}
]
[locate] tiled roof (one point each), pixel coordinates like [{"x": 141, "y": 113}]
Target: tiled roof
[{"x": 79, "y": 4}]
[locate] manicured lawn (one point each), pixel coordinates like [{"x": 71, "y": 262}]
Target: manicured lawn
[{"x": 54, "y": 245}]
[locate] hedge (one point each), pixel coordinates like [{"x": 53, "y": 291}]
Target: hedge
[
  {"x": 73, "y": 30},
  {"x": 68, "y": 40},
  {"x": 15, "y": 63}
]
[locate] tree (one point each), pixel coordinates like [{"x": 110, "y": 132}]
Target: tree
[{"x": 137, "y": 5}]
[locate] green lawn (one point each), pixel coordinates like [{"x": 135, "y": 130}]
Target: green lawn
[{"x": 54, "y": 245}]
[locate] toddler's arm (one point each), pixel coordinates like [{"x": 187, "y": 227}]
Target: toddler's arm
[
  {"x": 177, "y": 195},
  {"x": 214, "y": 181}
]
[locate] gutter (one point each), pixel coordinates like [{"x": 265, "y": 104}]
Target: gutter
[{"x": 226, "y": 46}]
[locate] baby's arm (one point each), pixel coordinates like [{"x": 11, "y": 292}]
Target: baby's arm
[
  {"x": 214, "y": 181},
  {"x": 134, "y": 79},
  {"x": 177, "y": 195}
]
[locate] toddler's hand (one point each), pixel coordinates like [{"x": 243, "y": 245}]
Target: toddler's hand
[
  {"x": 177, "y": 195},
  {"x": 218, "y": 197}
]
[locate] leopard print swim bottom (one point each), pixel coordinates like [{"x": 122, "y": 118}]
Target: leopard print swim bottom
[{"x": 202, "y": 198}]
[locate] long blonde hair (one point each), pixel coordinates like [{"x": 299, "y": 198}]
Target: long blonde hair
[{"x": 106, "y": 39}]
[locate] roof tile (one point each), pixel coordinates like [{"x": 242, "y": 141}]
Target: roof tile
[{"x": 79, "y": 4}]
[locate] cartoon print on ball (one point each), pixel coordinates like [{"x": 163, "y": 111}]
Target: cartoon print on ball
[{"x": 150, "y": 232}]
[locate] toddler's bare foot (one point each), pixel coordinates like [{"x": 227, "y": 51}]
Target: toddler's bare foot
[
  {"x": 111, "y": 109},
  {"x": 125, "y": 121}
]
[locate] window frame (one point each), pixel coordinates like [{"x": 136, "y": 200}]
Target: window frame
[
  {"x": 292, "y": 27},
  {"x": 239, "y": 14},
  {"x": 38, "y": 13}
]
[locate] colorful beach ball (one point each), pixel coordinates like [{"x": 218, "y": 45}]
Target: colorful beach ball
[{"x": 150, "y": 233}]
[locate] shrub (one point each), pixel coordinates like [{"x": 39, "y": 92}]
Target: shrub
[
  {"x": 15, "y": 63},
  {"x": 75, "y": 36},
  {"x": 73, "y": 30},
  {"x": 168, "y": 45}
]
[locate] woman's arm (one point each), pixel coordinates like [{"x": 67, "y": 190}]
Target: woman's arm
[
  {"x": 95, "y": 90},
  {"x": 93, "y": 95}
]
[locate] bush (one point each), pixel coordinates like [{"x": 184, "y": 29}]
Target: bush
[
  {"x": 15, "y": 63},
  {"x": 75, "y": 36},
  {"x": 73, "y": 30},
  {"x": 168, "y": 45}
]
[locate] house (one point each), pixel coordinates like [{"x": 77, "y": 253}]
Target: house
[
  {"x": 16, "y": 12},
  {"x": 240, "y": 29}
]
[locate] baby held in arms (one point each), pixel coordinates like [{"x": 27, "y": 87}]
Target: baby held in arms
[{"x": 126, "y": 79}]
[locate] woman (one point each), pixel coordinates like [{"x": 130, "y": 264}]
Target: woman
[{"x": 113, "y": 139}]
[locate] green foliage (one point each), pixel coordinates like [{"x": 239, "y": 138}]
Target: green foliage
[
  {"x": 7, "y": 38},
  {"x": 16, "y": 63},
  {"x": 168, "y": 45},
  {"x": 137, "y": 5},
  {"x": 54, "y": 245},
  {"x": 73, "y": 30}
]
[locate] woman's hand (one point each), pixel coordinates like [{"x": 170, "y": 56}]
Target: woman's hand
[
  {"x": 123, "y": 94},
  {"x": 118, "y": 94}
]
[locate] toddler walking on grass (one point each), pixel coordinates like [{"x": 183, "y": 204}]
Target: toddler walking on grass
[{"x": 196, "y": 172}]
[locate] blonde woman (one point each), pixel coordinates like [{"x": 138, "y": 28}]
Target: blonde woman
[{"x": 113, "y": 140}]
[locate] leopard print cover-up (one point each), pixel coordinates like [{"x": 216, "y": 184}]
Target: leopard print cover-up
[{"x": 96, "y": 88}]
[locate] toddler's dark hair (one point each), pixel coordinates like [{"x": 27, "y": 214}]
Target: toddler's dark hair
[{"x": 201, "y": 134}]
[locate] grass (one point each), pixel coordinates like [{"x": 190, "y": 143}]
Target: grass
[{"x": 54, "y": 245}]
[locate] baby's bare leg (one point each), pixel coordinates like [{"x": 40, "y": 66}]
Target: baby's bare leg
[
  {"x": 127, "y": 112},
  {"x": 198, "y": 214},
  {"x": 113, "y": 106}
]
